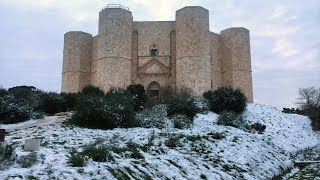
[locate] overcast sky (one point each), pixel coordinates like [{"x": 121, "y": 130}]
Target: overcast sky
[{"x": 285, "y": 39}]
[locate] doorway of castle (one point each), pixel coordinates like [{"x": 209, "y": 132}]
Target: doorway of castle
[{"x": 154, "y": 90}]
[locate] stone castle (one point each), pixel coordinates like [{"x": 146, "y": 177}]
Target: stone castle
[{"x": 157, "y": 54}]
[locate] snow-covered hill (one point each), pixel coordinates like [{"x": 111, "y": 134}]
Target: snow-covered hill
[{"x": 207, "y": 150}]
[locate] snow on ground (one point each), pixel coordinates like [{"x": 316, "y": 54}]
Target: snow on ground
[{"x": 206, "y": 150}]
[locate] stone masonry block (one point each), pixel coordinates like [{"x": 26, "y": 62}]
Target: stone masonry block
[{"x": 31, "y": 144}]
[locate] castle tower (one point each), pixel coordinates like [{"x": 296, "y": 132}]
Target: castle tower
[
  {"x": 76, "y": 61},
  {"x": 237, "y": 60},
  {"x": 193, "y": 49},
  {"x": 114, "y": 48}
]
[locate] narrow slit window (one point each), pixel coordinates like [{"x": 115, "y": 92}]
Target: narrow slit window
[{"x": 153, "y": 51}]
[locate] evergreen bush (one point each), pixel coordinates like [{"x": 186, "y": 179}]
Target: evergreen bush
[
  {"x": 13, "y": 110},
  {"x": 155, "y": 117},
  {"x": 260, "y": 128},
  {"x": 105, "y": 112},
  {"x": 229, "y": 118},
  {"x": 226, "y": 99},
  {"x": 181, "y": 121},
  {"x": 138, "y": 95},
  {"x": 182, "y": 102},
  {"x": 70, "y": 100},
  {"x": 92, "y": 90},
  {"x": 52, "y": 103},
  {"x": 76, "y": 160}
]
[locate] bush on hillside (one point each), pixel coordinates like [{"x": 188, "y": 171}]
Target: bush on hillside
[
  {"x": 92, "y": 90},
  {"x": 70, "y": 100},
  {"x": 138, "y": 95},
  {"x": 181, "y": 121},
  {"x": 182, "y": 102},
  {"x": 226, "y": 99},
  {"x": 52, "y": 103},
  {"x": 229, "y": 118},
  {"x": 167, "y": 94},
  {"x": 28, "y": 94},
  {"x": 121, "y": 105},
  {"x": 154, "y": 117},
  {"x": 105, "y": 112},
  {"x": 13, "y": 110},
  {"x": 260, "y": 128}
]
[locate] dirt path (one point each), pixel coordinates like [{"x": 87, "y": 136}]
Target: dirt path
[{"x": 47, "y": 120}]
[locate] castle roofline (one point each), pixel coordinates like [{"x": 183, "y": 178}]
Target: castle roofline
[
  {"x": 79, "y": 32},
  {"x": 234, "y": 28},
  {"x": 116, "y": 6},
  {"x": 192, "y": 7},
  {"x": 153, "y": 21}
]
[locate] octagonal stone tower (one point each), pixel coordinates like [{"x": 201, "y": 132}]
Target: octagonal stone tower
[
  {"x": 193, "y": 49},
  {"x": 157, "y": 54},
  {"x": 76, "y": 61},
  {"x": 114, "y": 48},
  {"x": 237, "y": 60}
]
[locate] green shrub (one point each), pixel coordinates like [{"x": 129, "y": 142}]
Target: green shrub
[
  {"x": 76, "y": 160},
  {"x": 226, "y": 99},
  {"x": 99, "y": 154},
  {"x": 105, "y": 112},
  {"x": 181, "y": 121},
  {"x": 92, "y": 112},
  {"x": 182, "y": 102},
  {"x": 6, "y": 153},
  {"x": 167, "y": 94},
  {"x": 229, "y": 119},
  {"x": 155, "y": 117},
  {"x": 259, "y": 127},
  {"x": 70, "y": 100},
  {"x": 92, "y": 90},
  {"x": 28, "y": 94},
  {"x": 13, "y": 110},
  {"x": 120, "y": 105},
  {"x": 52, "y": 103},
  {"x": 172, "y": 141},
  {"x": 28, "y": 160},
  {"x": 138, "y": 95},
  {"x": 135, "y": 153}
]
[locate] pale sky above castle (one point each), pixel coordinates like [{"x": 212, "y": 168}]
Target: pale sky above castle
[{"x": 285, "y": 39}]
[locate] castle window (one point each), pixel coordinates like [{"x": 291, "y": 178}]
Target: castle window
[{"x": 153, "y": 50}]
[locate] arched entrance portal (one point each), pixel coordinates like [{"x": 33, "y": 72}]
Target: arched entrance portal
[{"x": 154, "y": 90}]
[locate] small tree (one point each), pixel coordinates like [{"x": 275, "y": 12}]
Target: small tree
[
  {"x": 226, "y": 99},
  {"x": 182, "y": 102},
  {"x": 309, "y": 102}
]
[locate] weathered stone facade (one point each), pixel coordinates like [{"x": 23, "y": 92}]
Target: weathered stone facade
[{"x": 157, "y": 54}]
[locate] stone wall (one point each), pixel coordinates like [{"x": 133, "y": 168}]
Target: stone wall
[
  {"x": 147, "y": 68},
  {"x": 193, "y": 49},
  {"x": 237, "y": 60},
  {"x": 216, "y": 60},
  {"x": 154, "y": 32},
  {"x": 76, "y": 61},
  {"x": 114, "y": 48}
]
